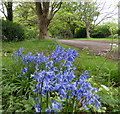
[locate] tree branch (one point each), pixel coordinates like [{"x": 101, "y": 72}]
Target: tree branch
[
  {"x": 39, "y": 9},
  {"x": 2, "y": 11},
  {"x": 54, "y": 8}
]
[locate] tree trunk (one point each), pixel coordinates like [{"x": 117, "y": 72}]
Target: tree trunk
[
  {"x": 88, "y": 30},
  {"x": 43, "y": 25},
  {"x": 9, "y": 11},
  {"x": 45, "y": 13},
  {"x": 72, "y": 30},
  {"x": 71, "y": 35}
]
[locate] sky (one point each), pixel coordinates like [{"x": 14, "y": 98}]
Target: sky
[
  {"x": 110, "y": 8},
  {"x": 109, "y": 3}
]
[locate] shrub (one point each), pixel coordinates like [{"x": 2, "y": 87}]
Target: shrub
[
  {"x": 80, "y": 33},
  {"x": 113, "y": 36},
  {"x": 110, "y": 98},
  {"x": 31, "y": 32},
  {"x": 101, "y": 31},
  {"x": 12, "y": 31}
]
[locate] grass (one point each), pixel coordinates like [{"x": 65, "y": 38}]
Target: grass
[
  {"x": 10, "y": 71},
  {"x": 33, "y": 46},
  {"x": 101, "y": 71},
  {"x": 97, "y": 39},
  {"x": 96, "y": 65},
  {"x": 29, "y": 45}
]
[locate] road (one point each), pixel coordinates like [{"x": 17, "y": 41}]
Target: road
[{"x": 98, "y": 47}]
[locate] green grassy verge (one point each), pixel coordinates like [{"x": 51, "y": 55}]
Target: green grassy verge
[
  {"x": 97, "y": 66},
  {"x": 29, "y": 45},
  {"x": 97, "y": 39},
  {"x": 33, "y": 46},
  {"x": 101, "y": 71}
]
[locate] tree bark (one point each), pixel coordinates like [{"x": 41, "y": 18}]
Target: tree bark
[
  {"x": 88, "y": 30},
  {"x": 45, "y": 14},
  {"x": 43, "y": 19},
  {"x": 43, "y": 25},
  {"x": 9, "y": 11},
  {"x": 73, "y": 33}
]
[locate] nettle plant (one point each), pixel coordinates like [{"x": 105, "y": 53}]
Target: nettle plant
[{"x": 57, "y": 88}]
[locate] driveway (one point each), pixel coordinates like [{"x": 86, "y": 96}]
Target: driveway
[{"x": 98, "y": 47}]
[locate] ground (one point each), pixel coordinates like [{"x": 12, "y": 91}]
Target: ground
[{"x": 98, "y": 47}]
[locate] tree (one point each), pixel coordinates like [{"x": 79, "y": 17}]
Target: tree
[
  {"x": 58, "y": 27},
  {"x": 8, "y": 5},
  {"x": 92, "y": 13},
  {"x": 68, "y": 14},
  {"x": 25, "y": 13},
  {"x": 71, "y": 22},
  {"x": 87, "y": 12},
  {"x": 45, "y": 12},
  {"x": 119, "y": 19},
  {"x": 101, "y": 31},
  {"x": 113, "y": 27},
  {"x": 66, "y": 21}
]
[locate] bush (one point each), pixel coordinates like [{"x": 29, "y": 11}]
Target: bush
[
  {"x": 31, "y": 33},
  {"x": 80, "y": 33},
  {"x": 113, "y": 36},
  {"x": 101, "y": 31},
  {"x": 12, "y": 31}
]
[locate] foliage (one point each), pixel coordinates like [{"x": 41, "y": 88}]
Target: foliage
[
  {"x": 17, "y": 92},
  {"x": 108, "y": 29},
  {"x": 80, "y": 33},
  {"x": 113, "y": 27},
  {"x": 69, "y": 18},
  {"x": 114, "y": 36},
  {"x": 53, "y": 74},
  {"x": 112, "y": 101},
  {"x": 100, "y": 31},
  {"x": 25, "y": 14},
  {"x": 70, "y": 21},
  {"x": 65, "y": 22},
  {"x": 31, "y": 32},
  {"x": 12, "y": 31},
  {"x": 105, "y": 30},
  {"x": 109, "y": 97},
  {"x": 58, "y": 28},
  {"x": 88, "y": 12},
  {"x": 13, "y": 102}
]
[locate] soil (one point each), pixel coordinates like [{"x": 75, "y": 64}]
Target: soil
[{"x": 98, "y": 48}]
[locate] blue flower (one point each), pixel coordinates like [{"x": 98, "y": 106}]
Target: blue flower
[
  {"x": 49, "y": 110},
  {"x": 55, "y": 73},
  {"x": 19, "y": 75},
  {"x": 56, "y": 105},
  {"x": 18, "y": 53},
  {"x": 71, "y": 59},
  {"x": 37, "y": 108},
  {"x": 36, "y": 99},
  {"x": 25, "y": 69}
]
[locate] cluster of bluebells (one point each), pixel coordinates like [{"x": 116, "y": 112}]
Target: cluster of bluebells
[
  {"x": 18, "y": 53},
  {"x": 55, "y": 73}
]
